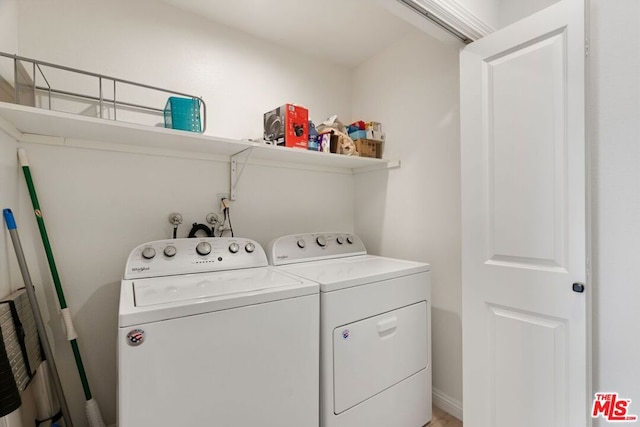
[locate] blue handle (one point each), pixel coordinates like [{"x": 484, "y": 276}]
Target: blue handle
[{"x": 9, "y": 219}]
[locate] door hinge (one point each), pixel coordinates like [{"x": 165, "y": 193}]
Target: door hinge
[{"x": 586, "y": 48}]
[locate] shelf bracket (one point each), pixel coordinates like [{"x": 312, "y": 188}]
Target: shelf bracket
[{"x": 235, "y": 173}]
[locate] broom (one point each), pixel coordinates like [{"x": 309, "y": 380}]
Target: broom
[{"x": 15, "y": 238}]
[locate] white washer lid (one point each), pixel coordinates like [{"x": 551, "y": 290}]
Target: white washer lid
[
  {"x": 346, "y": 272},
  {"x": 160, "y": 298},
  {"x": 163, "y": 290}
]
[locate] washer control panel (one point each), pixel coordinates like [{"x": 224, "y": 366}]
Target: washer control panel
[
  {"x": 184, "y": 256},
  {"x": 313, "y": 246}
]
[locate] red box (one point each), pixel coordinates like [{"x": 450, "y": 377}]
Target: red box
[{"x": 287, "y": 125}]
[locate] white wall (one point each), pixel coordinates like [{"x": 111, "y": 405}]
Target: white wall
[
  {"x": 239, "y": 76},
  {"x": 485, "y": 10},
  {"x": 500, "y": 13},
  {"x": 414, "y": 212},
  {"x": 514, "y": 10},
  {"x": 8, "y": 35},
  {"x": 9, "y": 26},
  {"x": 615, "y": 113},
  {"x": 100, "y": 204}
]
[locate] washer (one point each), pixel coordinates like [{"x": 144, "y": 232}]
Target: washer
[
  {"x": 209, "y": 334},
  {"x": 375, "y": 338}
]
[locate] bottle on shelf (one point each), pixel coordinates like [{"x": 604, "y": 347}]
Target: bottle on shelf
[{"x": 314, "y": 140}]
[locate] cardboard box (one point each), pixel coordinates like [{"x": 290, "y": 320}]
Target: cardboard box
[
  {"x": 336, "y": 147},
  {"x": 287, "y": 125},
  {"x": 369, "y": 148}
]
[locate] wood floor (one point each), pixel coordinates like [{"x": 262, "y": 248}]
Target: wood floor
[{"x": 442, "y": 419}]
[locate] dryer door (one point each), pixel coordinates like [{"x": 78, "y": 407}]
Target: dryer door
[{"x": 373, "y": 354}]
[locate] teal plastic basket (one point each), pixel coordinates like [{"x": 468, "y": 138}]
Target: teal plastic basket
[{"x": 183, "y": 114}]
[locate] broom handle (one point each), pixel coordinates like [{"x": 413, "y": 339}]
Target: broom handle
[
  {"x": 15, "y": 238},
  {"x": 71, "y": 335}
]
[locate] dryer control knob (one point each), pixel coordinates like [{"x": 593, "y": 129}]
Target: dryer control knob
[
  {"x": 321, "y": 241},
  {"x": 203, "y": 248},
  {"x": 350, "y": 239},
  {"x": 148, "y": 252},
  {"x": 234, "y": 248},
  {"x": 170, "y": 251},
  {"x": 340, "y": 240},
  {"x": 250, "y": 247},
  {"x": 301, "y": 243}
]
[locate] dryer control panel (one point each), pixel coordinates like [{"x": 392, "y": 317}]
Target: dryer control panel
[
  {"x": 313, "y": 247},
  {"x": 184, "y": 256}
]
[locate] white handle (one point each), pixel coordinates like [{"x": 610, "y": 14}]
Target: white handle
[
  {"x": 22, "y": 157},
  {"x": 68, "y": 324},
  {"x": 387, "y": 325},
  {"x": 93, "y": 413}
]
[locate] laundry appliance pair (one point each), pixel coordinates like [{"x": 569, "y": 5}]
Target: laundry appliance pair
[{"x": 211, "y": 334}]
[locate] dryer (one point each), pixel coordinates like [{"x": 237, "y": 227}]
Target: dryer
[
  {"x": 375, "y": 337},
  {"x": 209, "y": 334}
]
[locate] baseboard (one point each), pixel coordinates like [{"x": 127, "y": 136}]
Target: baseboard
[{"x": 447, "y": 403}]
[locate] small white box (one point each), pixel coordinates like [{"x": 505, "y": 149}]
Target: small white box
[{"x": 375, "y": 135}]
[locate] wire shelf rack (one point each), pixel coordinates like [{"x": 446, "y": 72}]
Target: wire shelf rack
[{"x": 31, "y": 87}]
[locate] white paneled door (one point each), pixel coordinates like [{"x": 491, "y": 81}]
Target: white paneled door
[{"x": 525, "y": 296}]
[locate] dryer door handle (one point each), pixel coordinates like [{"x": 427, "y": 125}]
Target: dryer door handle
[{"x": 387, "y": 326}]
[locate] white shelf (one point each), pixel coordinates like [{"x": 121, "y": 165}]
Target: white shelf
[{"x": 39, "y": 125}]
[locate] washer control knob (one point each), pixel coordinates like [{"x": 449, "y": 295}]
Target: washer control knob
[
  {"x": 234, "y": 248},
  {"x": 340, "y": 240},
  {"x": 170, "y": 251},
  {"x": 321, "y": 241},
  {"x": 148, "y": 252},
  {"x": 350, "y": 239},
  {"x": 250, "y": 247},
  {"x": 301, "y": 243},
  {"x": 203, "y": 248}
]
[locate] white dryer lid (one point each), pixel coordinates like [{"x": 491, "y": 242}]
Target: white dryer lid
[
  {"x": 340, "y": 273},
  {"x": 161, "y": 298}
]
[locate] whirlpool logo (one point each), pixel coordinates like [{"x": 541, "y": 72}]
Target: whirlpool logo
[{"x": 139, "y": 269}]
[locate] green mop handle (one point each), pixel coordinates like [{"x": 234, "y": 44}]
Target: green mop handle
[{"x": 92, "y": 409}]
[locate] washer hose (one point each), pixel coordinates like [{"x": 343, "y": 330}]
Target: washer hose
[{"x": 200, "y": 227}]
